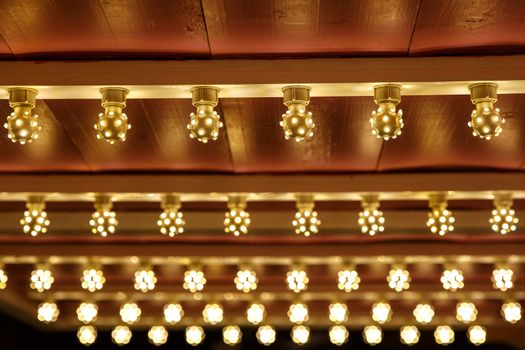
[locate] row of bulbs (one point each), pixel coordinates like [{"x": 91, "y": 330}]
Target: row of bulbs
[
  {"x": 305, "y": 222},
  {"x": 297, "y": 123},
  {"x": 298, "y": 314}
]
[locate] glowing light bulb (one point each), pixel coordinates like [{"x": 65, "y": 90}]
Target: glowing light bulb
[
  {"x": 255, "y": 313},
  {"x": 246, "y": 280},
  {"x": 371, "y": 219},
  {"x": 113, "y": 124},
  {"x": 409, "y": 335},
  {"x": 306, "y": 221},
  {"x": 237, "y": 220},
  {"x": 205, "y": 123},
  {"x": 22, "y": 125},
  {"x": 3, "y": 278},
  {"x": 485, "y": 121},
  {"x": 440, "y": 219},
  {"x": 194, "y": 335},
  {"x": 173, "y": 313},
  {"x": 87, "y": 312},
  {"x": 444, "y": 335},
  {"x": 231, "y": 335},
  {"x": 35, "y": 220},
  {"x": 338, "y": 312},
  {"x": 171, "y": 221},
  {"x": 398, "y": 278},
  {"x": 130, "y": 313},
  {"x": 212, "y": 314},
  {"x": 466, "y": 312},
  {"x": 386, "y": 122},
  {"x": 87, "y": 335},
  {"x": 297, "y": 123},
  {"x": 297, "y": 280},
  {"x": 348, "y": 280},
  {"x": 381, "y": 312},
  {"x": 477, "y": 335},
  {"x": 92, "y": 279},
  {"x": 41, "y": 279},
  {"x": 145, "y": 280},
  {"x": 300, "y": 334},
  {"x": 121, "y": 335},
  {"x": 103, "y": 221},
  {"x": 503, "y": 218},
  {"x": 503, "y": 278},
  {"x": 158, "y": 335},
  {"x": 372, "y": 335},
  {"x": 511, "y": 311},
  {"x": 424, "y": 313},
  {"x": 338, "y": 335},
  {"x": 298, "y": 313},
  {"x": 48, "y": 312},
  {"x": 266, "y": 335},
  {"x": 194, "y": 280},
  {"x": 452, "y": 279}
]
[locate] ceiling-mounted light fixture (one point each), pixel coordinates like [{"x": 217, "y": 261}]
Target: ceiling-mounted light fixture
[
  {"x": 87, "y": 335},
  {"x": 255, "y": 313},
  {"x": 371, "y": 218},
  {"x": 22, "y": 125},
  {"x": 338, "y": 335},
  {"x": 477, "y": 335},
  {"x": 503, "y": 218},
  {"x": 503, "y": 278},
  {"x": 246, "y": 280},
  {"x": 92, "y": 279},
  {"x": 48, "y": 312},
  {"x": 103, "y": 221},
  {"x": 444, "y": 335},
  {"x": 452, "y": 279},
  {"x": 300, "y": 334},
  {"x": 381, "y": 312},
  {"x": 266, "y": 335},
  {"x": 348, "y": 279},
  {"x": 130, "y": 313},
  {"x": 194, "y": 279},
  {"x": 511, "y": 311},
  {"x": 158, "y": 335},
  {"x": 35, "y": 220},
  {"x": 231, "y": 335},
  {"x": 386, "y": 122},
  {"x": 372, "y": 335},
  {"x": 297, "y": 123},
  {"x": 213, "y": 313},
  {"x": 440, "y": 219},
  {"x": 194, "y": 335},
  {"x": 205, "y": 123},
  {"x": 171, "y": 221},
  {"x": 485, "y": 120},
  {"x": 3, "y": 277},
  {"x": 145, "y": 279},
  {"x": 409, "y": 335},
  {"x": 338, "y": 312},
  {"x": 113, "y": 124},
  {"x": 306, "y": 221},
  {"x": 87, "y": 312},
  {"x": 121, "y": 335},
  {"x": 298, "y": 313},
  {"x": 466, "y": 312},
  {"x": 41, "y": 278},
  {"x": 237, "y": 220},
  {"x": 297, "y": 279},
  {"x": 424, "y": 313},
  {"x": 398, "y": 278},
  {"x": 173, "y": 313}
]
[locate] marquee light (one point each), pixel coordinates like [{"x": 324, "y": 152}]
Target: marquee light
[
  {"x": 48, "y": 312},
  {"x": 372, "y": 335},
  {"x": 485, "y": 121},
  {"x": 477, "y": 335},
  {"x": 306, "y": 221},
  {"x": 87, "y": 335},
  {"x": 503, "y": 218},
  {"x": 297, "y": 123},
  {"x": 338, "y": 335},
  {"x": 22, "y": 125},
  {"x": 173, "y": 313},
  {"x": 386, "y": 122},
  {"x": 171, "y": 220},
  {"x": 255, "y": 313},
  {"x": 266, "y": 335},
  {"x": 409, "y": 335},
  {"x": 444, "y": 335},
  {"x": 452, "y": 279},
  {"x": 511, "y": 311},
  {"x": 205, "y": 123},
  {"x": 145, "y": 280},
  {"x": 87, "y": 312},
  {"x": 194, "y": 280},
  {"x": 121, "y": 335},
  {"x": 35, "y": 220},
  {"x": 298, "y": 313},
  {"x": 300, "y": 334},
  {"x": 112, "y": 125},
  {"x": 348, "y": 279},
  {"x": 231, "y": 335},
  {"x": 338, "y": 312},
  {"x": 424, "y": 313},
  {"x": 297, "y": 280},
  {"x": 194, "y": 335},
  {"x": 130, "y": 313},
  {"x": 503, "y": 278},
  {"x": 213, "y": 314},
  {"x": 398, "y": 278},
  {"x": 440, "y": 219},
  {"x": 41, "y": 279},
  {"x": 103, "y": 221},
  {"x": 466, "y": 312},
  {"x": 158, "y": 335},
  {"x": 246, "y": 280},
  {"x": 381, "y": 312},
  {"x": 371, "y": 218},
  {"x": 92, "y": 279},
  {"x": 237, "y": 220}
]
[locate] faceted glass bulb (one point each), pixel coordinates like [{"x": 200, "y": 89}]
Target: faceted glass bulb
[
  {"x": 348, "y": 280},
  {"x": 452, "y": 279},
  {"x": 194, "y": 281},
  {"x": 87, "y": 312},
  {"x": 130, "y": 313},
  {"x": 112, "y": 125},
  {"x": 255, "y": 313},
  {"x": 298, "y": 313},
  {"x": 477, "y": 335},
  {"x": 237, "y": 221},
  {"x": 145, "y": 280},
  {"x": 503, "y": 220},
  {"x": 381, "y": 312},
  {"x": 121, "y": 335},
  {"x": 158, "y": 335},
  {"x": 297, "y": 123},
  {"x": 41, "y": 279},
  {"x": 35, "y": 220},
  {"x": 440, "y": 220},
  {"x": 266, "y": 335},
  {"x": 92, "y": 280},
  {"x": 486, "y": 121},
  {"x": 398, "y": 279},
  {"x": 338, "y": 335},
  {"x": 103, "y": 222},
  {"x": 22, "y": 126},
  {"x": 171, "y": 222},
  {"x": 372, "y": 335},
  {"x": 371, "y": 221},
  {"x": 300, "y": 334},
  {"x": 212, "y": 313},
  {"x": 424, "y": 313},
  {"x": 444, "y": 335},
  {"x": 87, "y": 335},
  {"x": 466, "y": 312},
  {"x": 386, "y": 122},
  {"x": 173, "y": 313},
  {"x": 205, "y": 124},
  {"x": 338, "y": 312},
  {"x": 231, "y": 335},
  {"x": 47, "y": 312},
  {"x": 409, "y": 335},
  {"x": 246, "y": 280},
  {"x": 297, "y": 280},
  {"x": 511, "y": 311},
  {"x": 194, "y": 335}
]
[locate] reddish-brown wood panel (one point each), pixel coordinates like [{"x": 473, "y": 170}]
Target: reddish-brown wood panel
[
  {"x": 436, "y": 135},
  {"x": 284, "y": 27},
  {"x": 135, "y": 28},
  {"x": 467, "y": 26},
  {"x": 341, "y": 141}
]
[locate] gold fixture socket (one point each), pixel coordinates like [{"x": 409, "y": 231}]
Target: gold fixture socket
[
  {"x": 296, "y": 94},
  {"x": 36, "y": 202},
  {"x": 103, "y": 202},
  {"x": 385, "y": 93},
  {"x": 370, "y": 200},
  {"x": 237, "y": 201},
  {"x": 503, "y": 199},
  {"x": 437, "y": 200},
  {"x": 114, "y": 97},
  {"x": 170, "y": 201},
  {"x": 22, "y": 97},
  {"x": 483, "y": 92},
  {"x": 205, "y": 96},
  {"x": 304, "y": 201}
]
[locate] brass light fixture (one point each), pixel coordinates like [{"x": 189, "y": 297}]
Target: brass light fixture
[
  {"x": 194, "y": 279},
  {"x": 371, "y": 218},
  {"x": 477, "y": 335},
  {"x": 372, "y": 335},
  {"x": 348, "y": 279},
  {"x": 145, "y": 279},
  {"x": 22, "y": 126},
  {"x": 130, "y": 313},
  {"x": 452, "y": 279},
  {"x": 113, "y": 124},
  {"x": 381, "y": 312},
  {"x": 511, "y": 311},
  {"x": 246, "y": 280},
  {"x": 231, "y": 335},
  {"x": 424, "y": 313},
  {"x": 440, "y": 219},
  {"x": 503, "y": 219},
  {"x": 306, "y": 221},
  {"x": 386, "y": 122},
  {"x": 87, "y": 335},
  {"x": 298, "y": 313},
  {"x": 103, "y": 221},
  {"x": 297, "y": 123},
  {"x": 503, "y": 277},
  {"x": 444, "y": 335},
  {"x": 121, "y": 335},
  {"x": 41, "y": 278},
  {"x": 213, "y": 313},
  {"x": 398, "y": 278},
  {"x": 87, "y": 312},
  {"x": 237, "y": 220},
  {"x": 171, "y": 221},
  {"x": 466, "y": 312},
  {"x": 300, "y": 334},
  {"x": 338, "y": 312},
  {"x": 158, "y": 335},
  {"x": 297, "y": 279},
  {"x": 266, "y": 335},
  {"x": 35, "y": 220},
  {"x": 48, "y": 312},
  {"x": 338, "y": 335},
  {"x": 194, "y": 335},
  {"x": 255, "y": 313},
  {"x": 485, "y": 120},
  {"x": 173, "y": 313},
  {"x": 409, "y": 335},
  {"x": 92, "y": 278},
  {"x": 205, "y": 123}
]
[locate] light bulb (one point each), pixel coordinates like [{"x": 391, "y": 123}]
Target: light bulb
[
  {"x": 246, "y": 280},
  {"x": 477, "y": 335},
  {"x": 35, "y": 220},
  {"x": 452, "y": 279},
  {"x": 306, "y": 221},
  {"x": 424, "y": 313},
  {"x": 338, "y": 312},
  {"x": 113, "y": 124},
  {"x": 502, "y": 278},
  {"x": 130, "y": 313},
  {"x": 87, "y": 312},
  {"x": 386, "y": 122},
  {"x": 41, "y": 279},
  {"x": 87, "y": 335},
  {"x": 3, "y": 278},
  {"x": 297, "y": 122},
  {"x": 444, "y": 335},
  {"x": 194, "y": 335},
  {"x": 298, "y": 313},
  {"x": 398, "y": 278},
  {"x": 348, "y": 280},
  {"x": 381, "y": 312},
  {"x": 300, "y": 334},
  {"x": 485, "y": 121},
  {"x": 22, "y": 125},
  {"x": 255, "y": 313},
  {"x": 372, "y": 335},
  {"x": 121, "y": 335},
  {"x": 503, "y": 218},
  {"x": 103, "y": 221},
  {"x": 466, "y": 312},
  {"x": 171, "y": 221},
  {"x": 297, "y": 280},
  {"x": 173, "y": 313},
  {"x": 338, "y": 335},
  {"x": 511, "y": 311},
  {"x": 145, "y": 280},
  {"x": 48, "y": 312},
  {"x": 231, "y": 335},
  {"x": 409, "y": 335},
  {"x": 205, "y": 122},
  {"x": 371, "y": 219},
  {"x": 194, "y": 280},
  {"x": 440, "y": 219},
  {"x": 266, "y": 335},
  {"x": 92, "y": 279},
  {"x": 158, "y": 335},
  {"x": 212, "y": 314}
]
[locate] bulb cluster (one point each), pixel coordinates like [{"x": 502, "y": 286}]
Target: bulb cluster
[
  {"x": 255, "y": 313},
  {"x": 297, "y": 123},
  {"x": 121, "y": 335},
  {"x": 87, "y": 335},
  {"x": 511, "y": 311},
  {"x": 381, "y": 312},
  {"x": 338, "y": 335},
  {"x": 486, "y": 121},
  {"x": 266, "y": 335},
  {"x": 22, "y": 125},
  {"x": 112, "y": 125},
  {"x": 297, "y": 280},
  {"x": 87, "y": 312},
  {"x": 237, "y": 220},
  {"x": 306, "y": 221},
  {"x": 194, "y": 280},
  {"x": 452, "y": 279},
  {"x": 41, "y": 279},
  {"x": 213, "y": 314},
  {"x": 398, "y": 279},
  {"x": 130, "y": 313},
  {"x": 194, "y": 335},
  {"x": 409, "y": 335},
  {"x": 246, "y": 280},
  {"x": 35, "y": 220},
  {"x": 171, "y": 222},
  {"x": 503, "y": 219},
  {"x": 503, "y": 279},
  {"x": 158, "y": 335},
  {"x": 371, "y": 219},
  {"x": 3, "y": 279},
  {"x": 348, "y": 280},
  {"x": 231, "y": 335},
  {"x": 386, "y": 122},
  {"x": 173, "y": 313},
  {"x": 145, "y": 280},
  {"x": 372, "y": 335},
  {"x": 444, "y": 335},
  {"x": 424, "y": 313},
  {"x": 300, "y": 334},
  {"x": 440, "y": 219},
  {"x": 298, "y": 313},
  {"x": 205, "y": 124},
  {"x": 477, "y": 335},
  {"x": 338, "y": 312},
  {"x": 466, "y": 312},
  {"x": 103, "y": 222},
  {"x": 92, "y": 279},
  {"x": 48, "y": 312}
]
